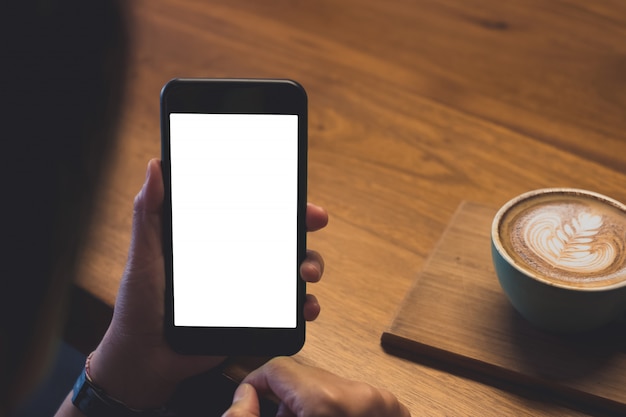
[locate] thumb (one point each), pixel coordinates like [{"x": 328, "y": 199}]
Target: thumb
[
  {"x": 147, "y": 219},
  {"x": 245, "y": 403},
  {"x": 143, "y": 276}
]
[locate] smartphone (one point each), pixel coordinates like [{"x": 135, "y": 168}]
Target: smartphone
[{"x": 234, "y": 159}]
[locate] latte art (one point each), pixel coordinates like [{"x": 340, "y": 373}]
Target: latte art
[
  {"x": 572, "y": 240},
  {"x": 574, "y": 246}
]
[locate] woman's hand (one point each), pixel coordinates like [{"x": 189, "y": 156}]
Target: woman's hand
[
  {"x": 307, "y": 391},
  {"x": 133, "y": 363}
]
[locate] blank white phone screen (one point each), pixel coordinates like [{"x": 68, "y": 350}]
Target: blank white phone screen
[{"x": 234, "y": 219}]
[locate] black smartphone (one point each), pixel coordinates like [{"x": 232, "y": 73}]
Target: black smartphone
[{"x": 234, "y": 158}]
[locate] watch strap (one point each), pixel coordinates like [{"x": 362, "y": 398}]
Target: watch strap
[{"x": 94, "y": 402}]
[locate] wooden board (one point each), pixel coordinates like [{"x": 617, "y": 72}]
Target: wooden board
[{"x": 457, "y": 313}]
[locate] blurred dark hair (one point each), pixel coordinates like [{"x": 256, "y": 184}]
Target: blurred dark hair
[{"x": 62, "y": 77}]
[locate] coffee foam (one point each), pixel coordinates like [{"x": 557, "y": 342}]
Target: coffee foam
[{"x": 568, "y": 239}]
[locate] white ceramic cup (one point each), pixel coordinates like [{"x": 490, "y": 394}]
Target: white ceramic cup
[{"x": 559, "y": 254}]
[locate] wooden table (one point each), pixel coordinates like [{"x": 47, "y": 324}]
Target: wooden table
[{"x": 414, "y": 106}]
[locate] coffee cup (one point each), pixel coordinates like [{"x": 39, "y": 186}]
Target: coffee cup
[{"x": 560, "y": 258}]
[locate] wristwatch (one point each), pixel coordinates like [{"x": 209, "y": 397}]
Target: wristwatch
[{"x": 94, "y": 402}]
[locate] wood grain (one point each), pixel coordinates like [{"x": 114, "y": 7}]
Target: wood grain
[
  {"x": 414, "y": 106},
  {"x": 457, "y": 312}
]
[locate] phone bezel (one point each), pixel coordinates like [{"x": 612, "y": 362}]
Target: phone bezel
[{"x": 234, "y": 96}]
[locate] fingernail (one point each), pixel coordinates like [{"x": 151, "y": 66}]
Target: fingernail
[
  {"x": 242, "y": 392},
  {"x": 148, "y": 171}
]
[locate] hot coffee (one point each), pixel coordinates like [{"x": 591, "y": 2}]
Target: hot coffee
[{"x": 568, "y": 239}]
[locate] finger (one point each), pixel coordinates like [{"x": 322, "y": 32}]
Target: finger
[
  {"x": 150, "y": 197},
  {"x": 311, "y": 308},
  {"x": 392, "y": 406},
  {"x": 284, "y": 411},
  {"x": 312, "y": 268},
  {"x": 316, "y": 217},
  {"x": 245, "y": 403},
  {"x": 293, "y": 384},
  {"x": 276, "y": 377},
  {"x": 286, "y": 380},
  {"x": 147, "y": 225}
]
